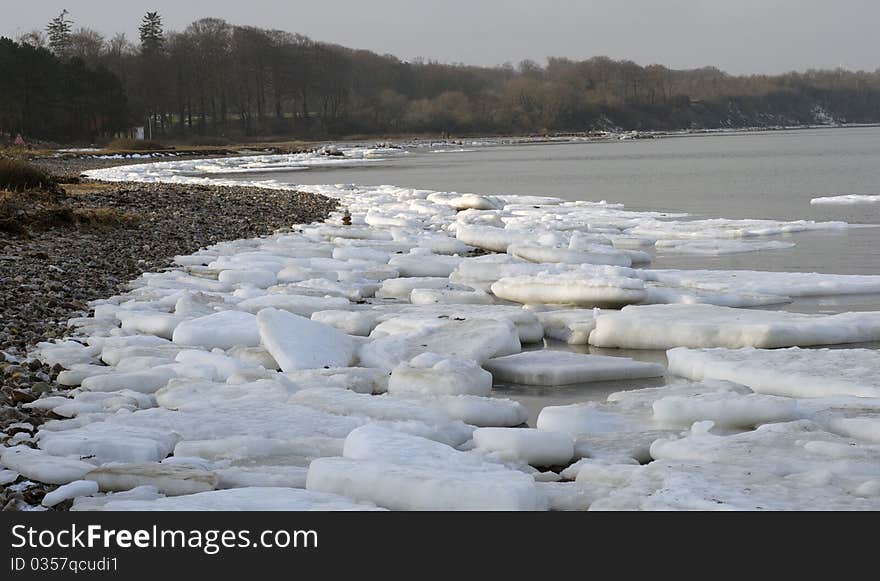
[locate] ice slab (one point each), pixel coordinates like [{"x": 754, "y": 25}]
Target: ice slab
[
  {"x": 481, "y": 411},
  {"x": 405, "y": 472},
  {"x": 150, "y": 322},
  {"x": 752, "y": 282},
  {"x": 477, "y": 339},
  {"x": 780, "y": 466},
  {"x": 424, "y": 264},
  {"x": 169, "y": 479},
  {"x": 846, "y": 199},
  {"x": 249, "y": 499},
  {"x": 535, "y": 447},
  {"x": 299, "y": 343},
  {"x": 110, "y": 442},
  {"x": 223, "y": 330},
  {"x": 359, "y": 323},
  {"x": 725, "y": 409},
  {"x": 433, "y": 374},
  {"x": 551, "y": 254},
  {"x": 487, "y": 237},
  {"x": 720, "y": 247},
  {"x": 594, "y": 287},
  {"x": 69, "y": 491},
  {"x": 441, "y": 426},
  {"x": 802, "y": 373},
  {"x": 301, "y": 305},
  {"x": 423, "y": 296},
  {"x": 563, "y": 368},
  {"x": 400, "y": 288},
  {"x": 140, "y": 381},
  {"x": 43, "y": 467},
  {"x": 667, "y": 326},
  {"x": 572, "y": 326},
  {"x": 256, "y": 277}
]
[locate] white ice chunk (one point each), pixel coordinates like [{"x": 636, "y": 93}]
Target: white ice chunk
[
  {"x": 596, "y": 287},
  {"x": 562, "y": 368},
  {"x": 846, "y": 199},
  {"x": 68, "y": 491},
  {"x": 150, "y": 322},
  {"x": 140, "y": 381},
  {"x": 42, "y": 467},
  {"x": 110, "y": 442},
  {"x": 787, "y": 372},
  {"x": 384, "y": 408},
  {"x": 535, "y": 447},
  {"x": 169, "y": 479},
  {"x": 791, "y": 284},
  {"x": 404, "y": 472},
  {"x": 476, "y": 339},
  {"x": 422, "y": 264},
  {"x": 224, "y": 330},
  {"x": 258, "y": 278},
  {"x": 301, "y": 305},
  {"x": 565, "y": 256},
  {"x": 249, "y": 499},
  {"x": 433, "y": 374},
  {"x": 400, "y": 288},
  {"x": 726, "y": 409},
  {"x": 570, "y": 325},
  {"x": 487, "y": 237},
  {"x": 299, "y": 343},
  {"x": 423, "y": 296},
  {"x": 667, "y": 326}
]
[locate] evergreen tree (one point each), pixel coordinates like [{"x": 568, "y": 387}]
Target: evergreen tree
[
  {"x": 58, "y": 30},
  {"x": 151, "y": 33}
]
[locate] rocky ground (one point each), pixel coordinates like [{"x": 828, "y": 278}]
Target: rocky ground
[{"x": 85, "y": 243}]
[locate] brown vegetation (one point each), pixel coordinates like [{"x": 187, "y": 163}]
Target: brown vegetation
[
  {"x": 25, "y": 211},
  {"x": 125, "y": 144},
  {"x": 17, "y": 176}
]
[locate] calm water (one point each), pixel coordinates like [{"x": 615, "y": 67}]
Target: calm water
[
  {"x": 747, "y": 175},
  {"x": 750, "y": 175}
]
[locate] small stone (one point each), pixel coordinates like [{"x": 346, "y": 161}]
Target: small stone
[
  {"x": 40, "y": 388},
  {"x": 20, "y": 396}
]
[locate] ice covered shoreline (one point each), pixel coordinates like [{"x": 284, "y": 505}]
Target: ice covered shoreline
[{"x": 349, "y": 367}]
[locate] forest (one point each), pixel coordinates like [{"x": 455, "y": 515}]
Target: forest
[{"x": 214, "y": 82}]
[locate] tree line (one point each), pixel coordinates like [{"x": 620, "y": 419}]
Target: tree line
[{"x": 215, "y": 80}]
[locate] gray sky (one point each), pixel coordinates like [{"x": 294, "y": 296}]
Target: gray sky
[{"x": 739, "y": 36}]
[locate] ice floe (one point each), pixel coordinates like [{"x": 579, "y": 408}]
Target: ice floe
[
  {"x": 846, "y": 199},
  {"x": 564, "y": 368},
  {"x": 667, "y": 326},
  {"x": 331, "y": 366},
  {"x": 801, "y": 373}
]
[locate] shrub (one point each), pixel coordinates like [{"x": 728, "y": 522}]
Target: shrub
[
  {"x": 17, "y": 176},
  {"x": 136, "y": 145}
]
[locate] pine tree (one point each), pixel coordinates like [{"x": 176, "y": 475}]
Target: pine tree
[
  {"x": 151, "y": 33},
  {"x": 59, "y": 29}
]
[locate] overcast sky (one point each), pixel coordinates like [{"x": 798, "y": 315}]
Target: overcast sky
[{"x": 739, "y": 36}]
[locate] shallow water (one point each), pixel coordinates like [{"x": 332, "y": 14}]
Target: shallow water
[
  {"x": 742, "y": 175},
  {"x": 749, "y": 175}
]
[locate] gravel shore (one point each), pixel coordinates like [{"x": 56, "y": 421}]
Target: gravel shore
[{"x": 48, "y": 276}]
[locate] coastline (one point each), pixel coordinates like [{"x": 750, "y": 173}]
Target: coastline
[
  {"x": 49, "y": 275},
  {"x": 376, "y": 209}
]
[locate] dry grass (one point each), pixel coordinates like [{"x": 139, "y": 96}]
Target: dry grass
[
  {"x": 23, "y": 213},
  {"x": 122, "y": 145},
  {"x": 18, "y": 176},
  {"x": 104, "y": 217}
]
